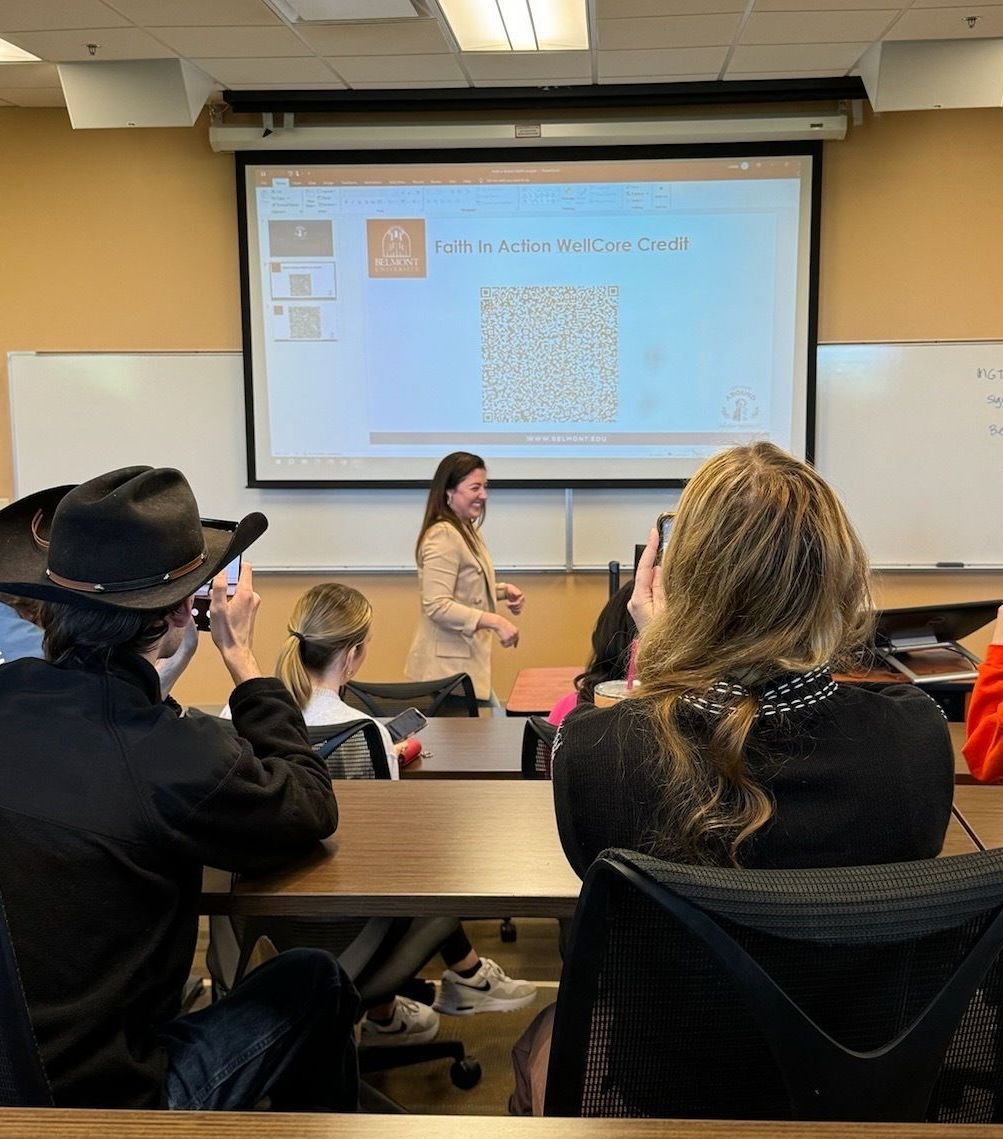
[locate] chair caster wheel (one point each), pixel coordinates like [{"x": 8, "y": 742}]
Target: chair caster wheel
[
  {"x": 465, "y": 1074},
  {"x": 508, "y": 932}
]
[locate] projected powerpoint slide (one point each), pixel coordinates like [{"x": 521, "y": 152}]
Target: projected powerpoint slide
[
  {"x": 303, "y": 322},
  {"x": 525, "y": 312},
  {"x": 289, "y": 280}
]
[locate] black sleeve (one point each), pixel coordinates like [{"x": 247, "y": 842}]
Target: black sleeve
[{"x": 249, "y": 799}]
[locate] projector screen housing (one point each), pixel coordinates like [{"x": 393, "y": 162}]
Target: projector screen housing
[{"x": 586, "y": 317}]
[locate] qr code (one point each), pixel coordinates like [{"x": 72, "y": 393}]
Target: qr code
[
  {"x": 304, "y": 322},
  {"x": 299, "y": 285},
  {"x": 550, "y": 353}
]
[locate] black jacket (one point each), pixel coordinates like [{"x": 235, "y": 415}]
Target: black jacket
[
  {"x": 110, "y": 804},
  {"x": 858, "y": 778}
]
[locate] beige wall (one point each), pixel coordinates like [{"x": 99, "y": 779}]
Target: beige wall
[{"x": 126, "y": 240}]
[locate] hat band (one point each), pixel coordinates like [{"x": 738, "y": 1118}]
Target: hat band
[{"x": 113, "y": 586}]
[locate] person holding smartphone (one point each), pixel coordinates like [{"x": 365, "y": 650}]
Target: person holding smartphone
[
  {"x": 329, "y": 633},
  {"x": 459, "y": 593}
]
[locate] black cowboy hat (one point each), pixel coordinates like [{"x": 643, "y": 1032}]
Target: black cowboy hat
[{"x": 130, "y": 539}]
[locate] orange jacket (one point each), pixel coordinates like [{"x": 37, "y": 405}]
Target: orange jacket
[{"x": 983, "y": 748}]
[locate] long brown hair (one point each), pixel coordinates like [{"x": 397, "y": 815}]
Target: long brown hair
[
  {"x": 448, "y": 475},
  {"x": 327, "y": 620},
  {"x": 763, "y": 575}
]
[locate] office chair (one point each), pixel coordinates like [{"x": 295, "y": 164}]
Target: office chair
[
  {"x": 449, "y": 696},
  {"x": 537, "y": 744},
  {"x": 864, "y": 993},
  {"x": 381, "y": 955},
  {"x": 23, "y": 1082}
]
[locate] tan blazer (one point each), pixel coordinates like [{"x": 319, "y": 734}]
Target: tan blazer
[{"x": 456, "y": 588}]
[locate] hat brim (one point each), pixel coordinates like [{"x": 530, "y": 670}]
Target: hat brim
[{"x": 23, "y": 563}]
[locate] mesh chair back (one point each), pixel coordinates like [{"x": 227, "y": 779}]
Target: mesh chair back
[
  {"x": 22, "y": 1078},
  {"x": 351, "y": 751},
  {"x": 450, "y": 696},
  {"x": 865, "y": 993},
  {"x": 537, "y": 746}
]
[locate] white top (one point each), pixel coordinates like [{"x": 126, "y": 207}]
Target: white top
[{"x": 325, "y": 706}]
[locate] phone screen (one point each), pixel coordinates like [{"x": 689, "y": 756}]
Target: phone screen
[
  {"x": 232, "y": 576},
  {"x": 664, "y": 524},
  {"x": 408, "y": 722}
]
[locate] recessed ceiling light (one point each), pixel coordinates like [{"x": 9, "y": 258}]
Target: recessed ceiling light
[
  {"x": 518, "y": 25},
  {"x": 11, "y": 54}
]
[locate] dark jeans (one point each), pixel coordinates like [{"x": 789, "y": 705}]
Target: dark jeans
[{"x": 285, "y": 1031}]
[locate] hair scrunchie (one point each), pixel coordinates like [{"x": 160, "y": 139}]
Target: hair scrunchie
[{"x": 296, "y": 633}]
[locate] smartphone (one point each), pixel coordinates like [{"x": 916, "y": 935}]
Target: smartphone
[
  {"x": 406, "y": 724},
  {"x": 664, "y": 528},
  {"x": 200, "y": 606}
]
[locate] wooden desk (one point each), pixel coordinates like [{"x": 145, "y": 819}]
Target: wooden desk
[
  {"x": 50, "y": 1123},
  {"x": 469, "y": 848},
  {"x": 981, "y": 808},
  {"x": 462, "y": 748},
  {"x": 537, "y": 690}
]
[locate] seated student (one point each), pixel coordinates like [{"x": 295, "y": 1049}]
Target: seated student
[
  {"x": 740, "y": 749},
  {"x": 612, "y": 641},
  {"x": 983, "y": 749},
  {"x": 329, "y": 633},
  {"x": 20, "y": 632},
  {"x": 112, "y": 802}
]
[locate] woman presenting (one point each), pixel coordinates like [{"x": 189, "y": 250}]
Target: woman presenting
[{"x": 457, "y": 581}]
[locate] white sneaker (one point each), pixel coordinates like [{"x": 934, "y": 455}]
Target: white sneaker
[
  {"x": 488, "y": 990},
  {"x": 412, "y": 1023}
]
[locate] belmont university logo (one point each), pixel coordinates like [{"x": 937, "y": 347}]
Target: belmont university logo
[{"x": 396, "y": 247}]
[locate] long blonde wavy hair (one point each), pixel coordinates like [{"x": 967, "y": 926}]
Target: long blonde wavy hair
[
  {"x": 763, "y": 575},
  {"x": 327, "y": 620}
]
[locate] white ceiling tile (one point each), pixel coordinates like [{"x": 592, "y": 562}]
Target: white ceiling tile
[
  {"x": 799, "y": 57},
  {"x": 842, "y": 6},
  {"x": 232, "y": 42},
  {"x": 33, "y": 96},
  {"x": 537, "y": 81},
  {"x": 665, "y": 64},
  {"x": 51, "y": 15},
  {"x": 254, "y": 72},
  {"x": 192, "y": 13},
  {"x": 615, "y": 9},
  {"x": 816, "y": 27},
  {"x": 696, "y": 77},
  {"x": 537, "y": 66},
  {"x": 393, "y": 37},
  {"x": 948, "y": 23},
  {"x": 333, "y": 85},
  {"x": 28, "y": 75},
  {"x": 667, "y": 31},
  {"x": 113, "y": 43},
  {"x": 821, "y": 74},
  {"x": 375, "y": 69},
  {"x": 410, "y": 85}
]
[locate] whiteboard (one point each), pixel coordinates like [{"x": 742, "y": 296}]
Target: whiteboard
[
  {"x": 911, "y": 436},
  {"x": 76, "y": 415}
]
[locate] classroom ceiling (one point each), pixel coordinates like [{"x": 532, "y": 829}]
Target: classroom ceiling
[{"x": 245, "y": 44}]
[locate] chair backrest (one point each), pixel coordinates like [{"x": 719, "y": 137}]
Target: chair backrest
[
  {"x": 351, "y": 751},
  {"x": 449, "y": 696},
  {"x": 537, "y": 746},
  {"x": 22, "y": 1078},
  {"x": 864, "y": 993}
]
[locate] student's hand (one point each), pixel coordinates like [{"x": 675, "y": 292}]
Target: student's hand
[
  {"x": 647, "y": 600},
  {"x": 171, "y": 667},
  {"x": 998, "y": 628},
  {"x": 232, "y": 624},
  {"x": 515, "y": 599}
]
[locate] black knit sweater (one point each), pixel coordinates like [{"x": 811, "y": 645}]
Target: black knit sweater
[{"x": 858, "y": 777}]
